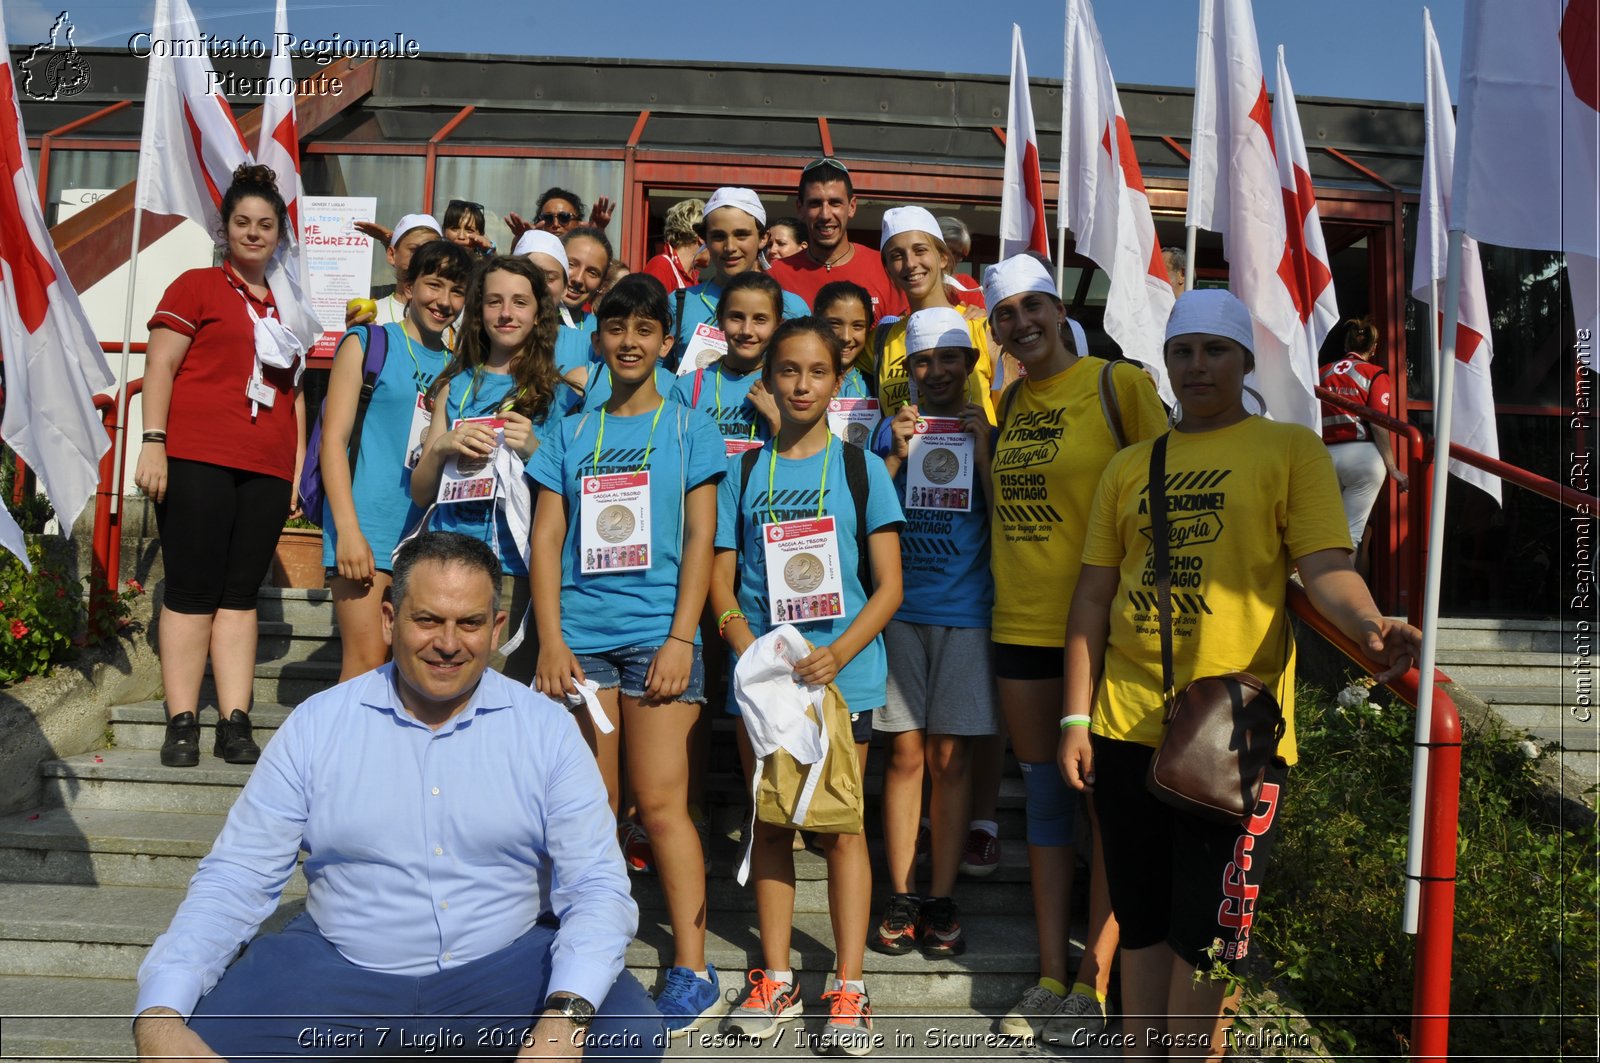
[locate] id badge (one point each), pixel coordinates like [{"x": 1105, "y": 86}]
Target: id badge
[
  {"x": 734, "y": 447},
  {"x": 471, "y": 479},
  {"x": 421, "y": 418},
  {"x": 259, "y": 391},
  {"x": 703, "y": 349},
  {"x": 614, "y": 518},
  {"x": 803, "y": 580},
  {"x": 939, "y": 466},
  {"x": 854, "y": 420}
]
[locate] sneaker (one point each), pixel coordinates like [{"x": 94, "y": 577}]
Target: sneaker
[
  {"x": 1031, "y": 1011},
  {"x": 766, "y": 1006},
  {"x": 636, "y": 847},
  {"x": 234, "y": 743},
  {"x": 897, "y": 934},
  {"x": 687, "y": 1002},
  {"x": 982, "y": 854},
  {"x": 181, "y": 747},
  {"x": 849, "y": 1028},
  {"x": 939, "y": 930},
  {"x": 1078, "y": 1020}
]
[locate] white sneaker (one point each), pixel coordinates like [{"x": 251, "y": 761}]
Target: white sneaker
[
  {"x": 1078, "y": 1020},
  {"x": 1031, "y": 1011}
]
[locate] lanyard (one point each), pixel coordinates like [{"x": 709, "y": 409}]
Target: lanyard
[
  {"x": 649, "y": 443},
  {"x": 822, "y": 491},
  {"x": 466, "y": 398},
  {"x": 709, "y": 304},
  {"x": 411, "y": 351},
  {"x": 718, "y": 399}
]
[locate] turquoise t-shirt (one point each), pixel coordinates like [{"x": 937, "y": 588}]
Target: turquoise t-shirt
[
  {"x": 485, "y": 521},
  {"x": 722, "y": 398},
  {"x": 796, "y": 486},
  {"x": 573, "y": 349},
  {"x": 381, "y": 485},
  {"x": 607, "y": 611},
  {"x": 854, "y": 386},
  {"x": 598, "y": 389},
  {"x": 700, "y": 308},
  {"x": 944, "y": 556}
]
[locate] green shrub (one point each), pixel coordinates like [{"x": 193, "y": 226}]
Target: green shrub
[
  {"x": 40, "y": 613},
  {"x": 1524, "y": 963}
]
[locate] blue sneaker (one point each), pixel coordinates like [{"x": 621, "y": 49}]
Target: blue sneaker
[{"x": 687, "y": 1002}]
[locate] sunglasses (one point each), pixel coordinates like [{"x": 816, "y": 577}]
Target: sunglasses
[
  {"x": 826, "y": 160},
  {"x": 559, "y": 217},
  {"x": 467, "y": 203}
]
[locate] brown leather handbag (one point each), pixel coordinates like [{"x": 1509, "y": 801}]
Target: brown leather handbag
[{"x": 1222, "y": 731}]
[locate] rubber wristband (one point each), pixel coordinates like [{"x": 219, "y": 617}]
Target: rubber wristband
[
  {"x": 1074, "y": 721},
  {"x": 686, "y": 642},
  {"x": 727, "y": 618}
]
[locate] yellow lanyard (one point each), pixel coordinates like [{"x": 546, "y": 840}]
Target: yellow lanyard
[
  {"x": 822, "y": 491},
  {"x": 718, "y": 400},
  {"x": 466, "y": 398},
  {"x": 649, "y": 443}
]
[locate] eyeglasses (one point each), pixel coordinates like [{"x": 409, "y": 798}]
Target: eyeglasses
[
  {"x": 826, "y": 160},
  {"x": 558, "y": 217}
]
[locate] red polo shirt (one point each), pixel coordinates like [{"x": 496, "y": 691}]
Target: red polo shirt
[
  {"x": 804, "y": 276},
  {"x": 209, "y": 419}
]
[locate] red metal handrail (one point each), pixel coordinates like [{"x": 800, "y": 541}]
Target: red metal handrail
[
  {"x": 1430, "y": 992},
  {"x": 1531, "y": 481}
]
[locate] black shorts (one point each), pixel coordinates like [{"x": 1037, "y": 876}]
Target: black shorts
[
  {"x": 1174, "y": 877},
  {"x": 1014, "y": 661}
]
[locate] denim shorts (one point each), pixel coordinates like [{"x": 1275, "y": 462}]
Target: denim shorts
[{"x": 627, "y": 666}]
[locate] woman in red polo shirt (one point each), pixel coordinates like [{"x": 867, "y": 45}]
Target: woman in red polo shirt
[{"x": 224, "y": 426}]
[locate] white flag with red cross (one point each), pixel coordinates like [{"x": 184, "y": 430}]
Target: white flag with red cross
[
  {"x": 1103, "y": 199},
  {"x": 1306, "y": 268},
  {"x": 53, "y": 363},
  {"x": 1022, "y": 221}
]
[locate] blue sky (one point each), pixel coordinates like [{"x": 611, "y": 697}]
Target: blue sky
[{"x": 1364, "y": 49}]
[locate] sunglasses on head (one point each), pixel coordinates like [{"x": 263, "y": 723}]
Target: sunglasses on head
[
  {"x": 826, "y": 160},
  {"x": 467, "y": 203},
  {"x": 557, "y": 217}
]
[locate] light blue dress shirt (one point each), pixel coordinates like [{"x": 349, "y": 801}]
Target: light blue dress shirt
[{"x": 425, "y": 850}]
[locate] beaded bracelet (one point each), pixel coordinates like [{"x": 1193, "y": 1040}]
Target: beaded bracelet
[{"x": 1076, "y": 720}]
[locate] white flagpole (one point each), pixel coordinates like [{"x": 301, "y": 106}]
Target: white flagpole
[
  {"x": 1444, "y": 401},
  {"x": 1188, "y": 257},
  {"x": 1061, "y": 256},
  {"x": 118, "y": 463}
]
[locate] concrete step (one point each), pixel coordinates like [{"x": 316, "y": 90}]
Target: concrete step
[
  {"x": 104, "y": 932},
  {"x": 309, "y": 612},
  {"x": 1472, "y": 633},
  {"x": 143, "y": 725},
  {"x": 283, "y": 682},
  {"x": 1550, "y": 723},
  {"x": 282, "y": 643},
  {"x": 110, "y": 847},
  {"x": 134, "y": 779},
  {"x": 1503, "y": 668},
  {"x": 1496, "y": 696},
  {"x": 96, "y": 1027}
]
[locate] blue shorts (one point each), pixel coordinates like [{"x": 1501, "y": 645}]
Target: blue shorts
[{"x": 627, "y": 667}]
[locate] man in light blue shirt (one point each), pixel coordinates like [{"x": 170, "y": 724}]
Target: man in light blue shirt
[{"x": 463, "y": 877}]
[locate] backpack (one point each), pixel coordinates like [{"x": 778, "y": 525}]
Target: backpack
[
  {"x": 311, "y": 494},
  {"x": 855, "y": 477}
]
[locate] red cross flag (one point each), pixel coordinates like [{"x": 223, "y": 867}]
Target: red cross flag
[
  {"x": 53, "y": 363},
  {"x": 1472, "y": 423},
  {"x": 279, "y": 148},
  {"x": 1103, "y": 199},
  {"x": 1022, "y": 225},
  {"x": 1305, "y": 258},
  {"x": 1530, "y": 134},
  {"x": 1234, "y": 190},
  {"x": 190, "y": 145}
]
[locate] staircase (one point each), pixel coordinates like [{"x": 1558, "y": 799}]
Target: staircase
[
  {"x": 89, "y": 880},
  {"x": 1521, "y": 670}
]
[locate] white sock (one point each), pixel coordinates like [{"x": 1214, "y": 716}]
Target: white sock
[
  {"x": 704, "y": 976},
  {"x": 786, "y": 977},
  {"x": 988, "y": 826},
  {"x": 854, "y": 985}
]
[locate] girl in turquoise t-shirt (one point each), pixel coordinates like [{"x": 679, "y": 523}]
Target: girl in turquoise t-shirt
[
  {"x": 367, "y": 504},
  {"x": 846, "y": 307},
  {"x": 730, "y": 389},
  {"x": 503, "y": 368},
  {"x": 627, "y": 501},
  {"x": 802, "y": 474}
]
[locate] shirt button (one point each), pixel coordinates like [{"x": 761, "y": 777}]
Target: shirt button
[
  {"x": 437, "y": 851},
  {"x": 447, "y": 957},
  {"x": 436, "y": 791},
  {"x": 444, "y": 904}
]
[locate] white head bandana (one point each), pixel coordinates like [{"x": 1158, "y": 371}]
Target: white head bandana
[
  {"x": 1214, "y": 312},
  {"x": 539, "y": 242},
  {"x": 742, "y": 198},
  {"x": 937, "y": 326},
  {"x": 897, "y": 220},
  {"x": 1015, "y": 275},
  {"x": 411, "y": 222}
]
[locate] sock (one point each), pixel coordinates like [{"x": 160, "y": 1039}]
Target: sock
[
  {"x": 1089, "y": 991},
  {"x": 786, "y": 977},
  {"x": 704, "y": 976},
  {"x": 853, "y": 985},
  {"x": 988, "y": 826},
  {"x": 1054, "y": 986}
]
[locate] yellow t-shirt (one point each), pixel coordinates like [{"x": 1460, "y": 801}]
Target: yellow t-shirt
[
  {"x": 1243, "y": 502},
  {"x": 894, "y": 383},
  {"x": 1047, "y": 460}
]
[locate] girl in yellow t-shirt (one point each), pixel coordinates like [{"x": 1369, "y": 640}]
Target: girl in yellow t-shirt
[
  {"x": 1058, "y": 427},
  {"x": 917, "y": 261},
  {"x": 1248, "y": 498}
]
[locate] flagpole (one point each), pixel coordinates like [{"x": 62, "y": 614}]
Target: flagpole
[
  {"x": 1188, "y": 257},
  {"x": 119, "y": 462},
  {"x": 1061, "y": 255},
  {"x": 1444, "y": 402}
]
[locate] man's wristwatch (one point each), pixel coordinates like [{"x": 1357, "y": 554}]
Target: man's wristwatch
[{"x": 575, "y": 1009}]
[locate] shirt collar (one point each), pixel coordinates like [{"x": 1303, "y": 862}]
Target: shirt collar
[
  {"x": 380, "y": 692},
  {"x": 239, "y": 285}
]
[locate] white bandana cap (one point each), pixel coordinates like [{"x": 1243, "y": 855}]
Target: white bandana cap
[
  {"x": 937, "y": 326},
  {"x": 1014, "y": 276},
  {"x": 412, "y": 222},
  {"x": 1215, "y": 312},
  {"x": 539, "y": 242},
  {"x": 742, "y": 198},
  {"x": 897, "y": 220}
]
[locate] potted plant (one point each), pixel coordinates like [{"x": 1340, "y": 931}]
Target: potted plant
[{"x": 298, "y": 561}]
